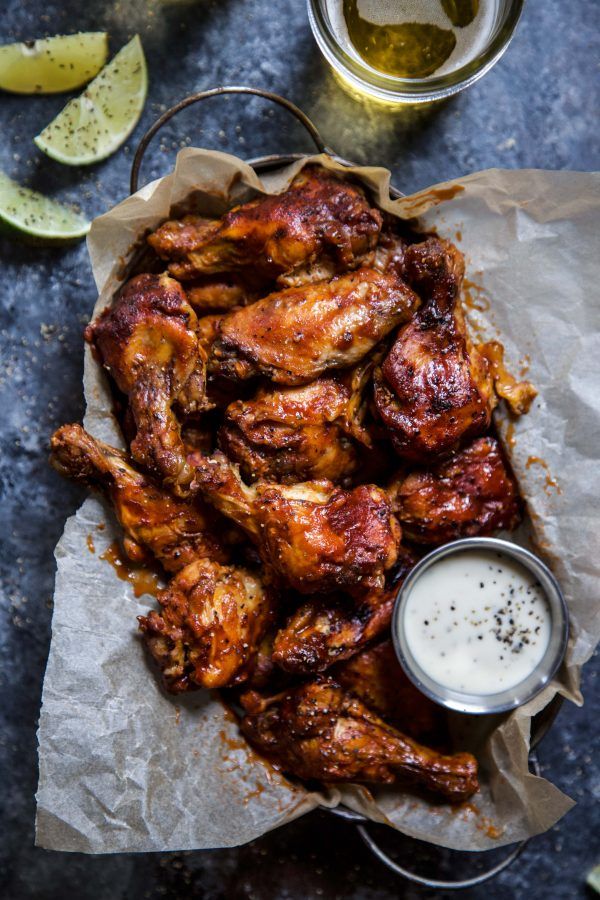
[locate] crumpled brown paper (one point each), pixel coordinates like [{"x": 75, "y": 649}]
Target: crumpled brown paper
[{"x": 124, "y": 767}]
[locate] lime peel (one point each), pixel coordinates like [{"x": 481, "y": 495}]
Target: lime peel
[
  {"x": 52, "y": 65},
  {"x": 95, "y": 124},
  {"x": 33, "y": 217}
]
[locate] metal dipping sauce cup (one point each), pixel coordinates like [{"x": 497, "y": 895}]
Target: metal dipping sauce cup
[{"x": 510, "y": 698}]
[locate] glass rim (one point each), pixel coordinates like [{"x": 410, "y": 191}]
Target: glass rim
[{"x": 394, "y": 87}]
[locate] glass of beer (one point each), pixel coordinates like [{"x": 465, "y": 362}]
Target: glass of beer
[{"x": 412, "y": 51}]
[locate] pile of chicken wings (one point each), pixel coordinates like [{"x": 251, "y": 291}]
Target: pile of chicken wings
[{"x": 306, "y": 416}]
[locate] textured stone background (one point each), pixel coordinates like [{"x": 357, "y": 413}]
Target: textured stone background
[{"x": 538, "y": 107}]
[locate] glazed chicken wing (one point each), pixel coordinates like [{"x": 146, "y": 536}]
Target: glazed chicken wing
[
  {"x": 295, "y": 335},
  {"x": 321, "y": 224},
  {"x": 177, "y": 238},
  {"x": 292, "y": 434},
  {"x": 208, "y": 631},
  {"x": 325, "y": 630},
  {"x": 318, "y": 731},
  {"x": 376, "y": 677},
  {"x": 433, "y": 390},
  {"x": 147, "y": 341},
  {"x": 472, "y": 493},
  {"x": 313, "y": 536},
  {"x": 172, "y": 530},
  {"x": 218, "y": 294}
]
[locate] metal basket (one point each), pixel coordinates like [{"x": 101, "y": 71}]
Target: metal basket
[{"x": 543, "y": 721}]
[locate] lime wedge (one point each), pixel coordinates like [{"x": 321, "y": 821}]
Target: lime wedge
[
  {"x": 52, "y": 65},
  {"x": 593, "y": 879},
  {"x": 95, "y": 124},
  {"x": 33, "y": 218}
]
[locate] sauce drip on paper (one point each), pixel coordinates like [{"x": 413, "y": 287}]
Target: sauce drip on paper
[{"x": 143, "y": 580}]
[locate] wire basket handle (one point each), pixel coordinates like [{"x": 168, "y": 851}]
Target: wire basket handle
[
  {"x": 457, "y": 885},
  {"x": 216, "y": 92}
]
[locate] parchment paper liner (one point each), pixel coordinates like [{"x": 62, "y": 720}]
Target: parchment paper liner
[{"x": 124, "y": 767}]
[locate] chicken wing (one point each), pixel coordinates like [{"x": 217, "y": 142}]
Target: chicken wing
[
  {"x": 218, "y": 294},
  {"x": 177, "y": 238},
  {"x": 173, "y": 531},
  {"x": 147, "y": 341},
  {"x": 376, "y": 677},
  {"x": 292, "y": 434},
  {"x": 318, "y": 731},
  {"x": 313, "y": 536},
  {"x": 325, "y": 630},
  {"x": 295, "y": 335},
  {"x": 321, "y": 222},
  {"x": 433, "y": 390},
  {"x": 208, "y": 631},
  {"x": 472, "y": 493}
]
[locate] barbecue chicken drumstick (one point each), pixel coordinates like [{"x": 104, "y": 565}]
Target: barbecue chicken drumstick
[
  {"x": 433, "y": 390},
  {"x": 295, "y": 335},
  {"x": 211, "y": 623},
  {"x": 313, "y": 536},
  {"x": 157, "y": 524},
  {"x": 318, "y": 731},
  {"x": 472, "y": 493},
  {"x": 147, "y": 342},
  {"x": 319, "y": 226}
]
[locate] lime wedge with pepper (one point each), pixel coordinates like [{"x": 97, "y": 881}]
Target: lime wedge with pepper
[
  {"x": 95, "y": 124},
  {"x": 51, "y": 65},
  {"x": 34, "y": 218}
]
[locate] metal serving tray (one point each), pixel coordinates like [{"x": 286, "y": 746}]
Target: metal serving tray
[{"x": 541, "y": 723}]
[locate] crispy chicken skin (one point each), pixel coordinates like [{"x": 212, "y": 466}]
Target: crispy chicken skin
[
  {"x": 433, "y": 390},
  {"x": 218, "y": 294},
  {"x": 156, "y": 524},
  {"x": 318, "y": 731},
  {"x": 177, "y": 238},
  {"x": 390, "y": 252},
  {"x": 376, "y": 677},
  {"x": 292, "y": 434},
  {"x": 207, "y": 330},
  {"x": 326, "y": 629},
  {"x": 313, "y": 536},
  {"x": 147, "y": 342},
  {"x": 472, "y": 493},
  {"x": 320, "y": 222},
  {"x": 435, "y": 268},
  {"x": 297, "y": 334},
  {"x": 210, "y": 625}
]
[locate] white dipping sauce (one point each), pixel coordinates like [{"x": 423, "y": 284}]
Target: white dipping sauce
[{"x": 477, "y": 621}]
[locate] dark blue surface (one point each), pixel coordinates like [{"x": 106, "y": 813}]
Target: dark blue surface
[{"x": 538, "y": 107}]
